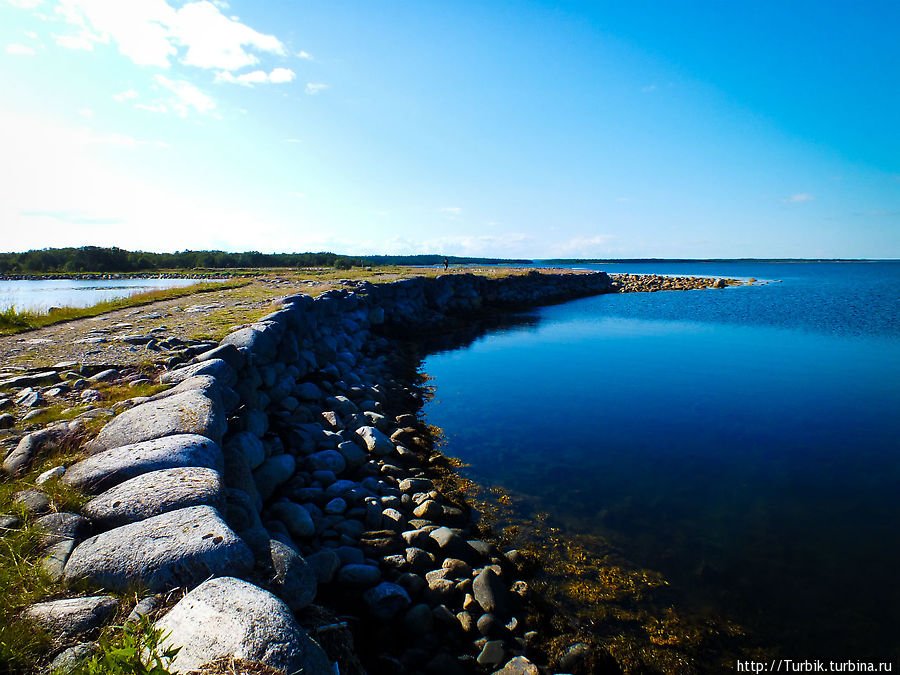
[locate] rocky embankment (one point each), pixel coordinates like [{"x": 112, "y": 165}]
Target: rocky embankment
[
  {"x": 285, "y": 470},
  {"x": 649, "y": 283}
]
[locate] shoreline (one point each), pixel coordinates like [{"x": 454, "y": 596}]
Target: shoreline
[{"x": 357, "y": 377}]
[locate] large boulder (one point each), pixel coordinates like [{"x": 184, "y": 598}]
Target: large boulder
[
  {"x": 179, "y": 548},
  {"x": 111, "y": 467},
  {"x": 217, "y": 368},
  {"x": 35, "y": 443},
  {"x": 189, "y": 412},
  {"x": 72, "y": 616},
  {"x": 230, "y": 618},
  {"x": 154, "y": 493}
]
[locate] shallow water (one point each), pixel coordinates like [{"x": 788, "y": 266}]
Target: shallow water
[
  {"x": 41, "y": 294},
  {"x": 742, "y": 442}
]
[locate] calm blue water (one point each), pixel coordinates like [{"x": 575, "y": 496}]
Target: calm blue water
[
  {"x": 742, "y": 442},
  {"x": 40, "y": 295}
]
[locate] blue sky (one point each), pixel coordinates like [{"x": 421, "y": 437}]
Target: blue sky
[{"x": 521, "y": 129}]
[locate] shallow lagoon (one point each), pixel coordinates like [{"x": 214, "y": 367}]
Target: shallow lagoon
[
  {"x": 41, "y": 294},
  {"x": 741, "y": 442}
]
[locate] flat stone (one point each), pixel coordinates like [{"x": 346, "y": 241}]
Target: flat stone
[
  {"x": 206, "y": 385},
  {"x": 359, "y": 575},
  {"x": 55, "y": 527},
  {"x": 249, "y": 445},
  {"x": 273, "y": 472},
  {"x": 217, "y": 368},
  {"x": 189, "y": 412},
  {"x": 50, "y": 474},
  {"x": 33, "y": 501},
  {"x": 386, "y": 600},
  {"x": 154, "y": 493},
  {"x": 111, "y": 467},
  {"x": 179, "y": 548},
  {"x": 491, "y": 654},
  {"x": 294, "y": 580},
  {"x": 67, "y": 660},
  {"x": 327, "y": 460},
  {"x": 295, "y": 518},
  {"x": 325, "y": 564},
  {"x": 374, "y": 441},
  {"x": 55, "y": 558},
  {"x": 72, "y": 616},
  {"x": 230, "y": 618},
  {"x": 518, "y": 665},
  {"x": 490, "y": 592},
  {"x": 34, "y": 380},
  {"x": 36, "y": 443}
]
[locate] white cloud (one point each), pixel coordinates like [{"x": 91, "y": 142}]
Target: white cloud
[
  {"x": 152, "y": 107},
  {"x": 313, "y": 88},
  {"x": 281, "y": 75},
  {"x": 81, "y": 41},
  {"x": 151, "y": 32},
  {"x": 304, "y": 55},
  {"x": 798, "y": 198},
  {"x": 215, "y": 41},
  {"x": 126, "y": 95},
  {"x": 187, "y": 96},
  {"x": 298, "y": 195},
  {"x": 85, "y": 112},
  {"x": 19, "y": 50},
  {"x": 27, "y": 4},
  {"x": 451, "y": 210},
  {"x": 30, "y": 34},
  {"x": 293, "y": 140},
  {"x": 277, "y": 76}
]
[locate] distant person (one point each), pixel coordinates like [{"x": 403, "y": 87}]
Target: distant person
[{"x": 446, "y": 263}]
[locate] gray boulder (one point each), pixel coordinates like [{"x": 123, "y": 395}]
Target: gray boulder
[
  {"x": 293, "y": 579},
  {"x": 490, "y": 592},
  {"x": 272, "y": 473},
  {"x": 35, "y": 443},
  {"x": 154, "y": 493},
  {"x": 111, "y": 467},
  {"x": 217, "y": 368},
  {"x": 386, "y": 600},
  {"x": 230, "y": 618},
  {"x": 179, "y": 548},
  {"x": 72, "y": 616},
  {"x": 189, "y": 412},
  {"x": 295, "y": 518},
  {"x": 249, "y": 445},
  {"x": 374, "y": 441}
]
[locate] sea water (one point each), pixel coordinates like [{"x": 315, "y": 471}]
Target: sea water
[
  {"x": 741, "y": 442},
  {"x": 42, "y": 294}
]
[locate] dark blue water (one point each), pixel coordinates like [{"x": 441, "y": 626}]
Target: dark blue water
[{"x": 743, "y": 442}]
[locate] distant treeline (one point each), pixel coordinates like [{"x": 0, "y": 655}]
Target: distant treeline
[{"x": 117, "y": 260}]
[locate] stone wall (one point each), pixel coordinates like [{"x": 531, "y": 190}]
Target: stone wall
[{"x": 286, "y": 465}]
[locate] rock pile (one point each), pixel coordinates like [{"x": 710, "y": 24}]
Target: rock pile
[{"x": 286, "y": 466}]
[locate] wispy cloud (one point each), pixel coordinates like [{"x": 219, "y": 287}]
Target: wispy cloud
[
  {"x": 799, "y": 198},
  {"x": 306, "y": 56},
  {"x": 648, "y": 88},
  {"x": 451, "y": 210},
  {"x": 187, "y": 96},
  {"x": 293, "y": 140},
  {"x": 16, "y": 49},
  {"x": 126, "y": 95},
  {"x": 85, "y": 112},
  {"x": 152, "y": 32},
  {"x": 313, "y": 88},
  {"x": 27, "y": 4},
  {"x": 277, "y": 76}
]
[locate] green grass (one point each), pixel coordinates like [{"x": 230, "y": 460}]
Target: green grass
[{"x": 13, "y": 321}]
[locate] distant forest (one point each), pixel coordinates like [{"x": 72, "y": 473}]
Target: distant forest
[{"x": 117, "y": 260}]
